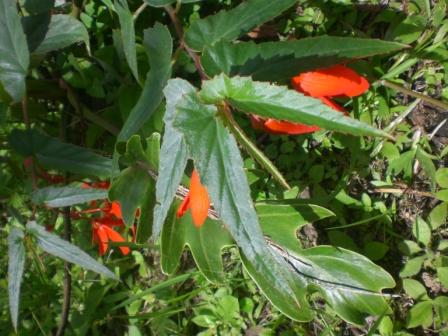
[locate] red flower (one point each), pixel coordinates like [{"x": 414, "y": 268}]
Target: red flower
[
  {"x": 102, "y": 227},
  {"x": 102, "y": 233},
  {"x": 197, "y": 200},
  {"x": 337, "y": 80}
]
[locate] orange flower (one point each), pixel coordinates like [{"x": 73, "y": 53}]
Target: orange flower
[
  {"x": 197, "y": 200},
  {"x": 102, "y": 233},
  {"x": 102, "y": 227},
  {"x": 337, "y": 80}
]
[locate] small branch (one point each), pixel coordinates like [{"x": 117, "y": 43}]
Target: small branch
[
  {"x": 139, "y": 10},
  {"x": 180, "y": 33},
  {"x": 414, "y": 94},
  {"x": 251, "y": 148},
  {"x": 67, "y": 236},
  {"x": 67, "y": 278}
]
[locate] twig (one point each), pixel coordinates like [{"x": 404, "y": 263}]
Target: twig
[
  {"x": 180, "y": 33},
  {"x": 414, "y": 94},
  {"x": 67, "y": 278},
  {"x": 251, "y": 148},
  {"x": 67, "y": 236},
  {"x": 139, "y": 10}
]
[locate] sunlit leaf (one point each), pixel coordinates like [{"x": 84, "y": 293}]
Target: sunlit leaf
[
  {"x": 228, "y": 25},
  {"x": 275, "y": 61},
  {"x": 271, "y": 101}
]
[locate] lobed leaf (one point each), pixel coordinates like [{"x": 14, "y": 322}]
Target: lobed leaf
[
  {"x": 276, "y": 61},
  {"x": 217, "y": 158},
  {"x": 205, "y": 244},
  {"x": 229, "y": 25},
  {"x": 61, "y": 248},
  {"x": 277, "y": 102},
  {"x": 14, "y": 54},
  {"x": 55, "y": 197}
]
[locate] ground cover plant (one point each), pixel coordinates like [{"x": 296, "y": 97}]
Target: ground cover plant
[{"x": 223, "y": 167}]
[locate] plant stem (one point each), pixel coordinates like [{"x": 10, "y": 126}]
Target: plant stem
[
  {"x": 26, "y": 119},
  {"x": 67, "y": 278},
  {"x": 67, "y": 236},
  {"x": 414, "y": 94},
  {"x": 139, "y": 10},
  {"x": 251, "y": 148},
  {"x": 180, "y": 33}
]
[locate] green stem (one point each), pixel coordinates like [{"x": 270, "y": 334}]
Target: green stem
[
  {"x": 414, "y": 94},
  {"x": 251, "y": 148}
]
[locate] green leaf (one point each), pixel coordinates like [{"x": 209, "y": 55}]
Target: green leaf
[
  {"x": 173, "y": 155},
  {"x": 412, "y": 267},
  {"x": 158, "y": 45},
  {"x": 127, "y": 34},
  {"x": 278, "y": 102},
  {"x": 229, "y": 25},
  {"x": 133, "y": 187},
  {"x": 161, "y": 3},
  {"x": 428, "y": 166},
  {"x": 442, "y": 195},
  {"x": 53, "y": 153},
  {"x": 421, "y": 231},
  {"x": 420, "y": 315},
  {"x": 415, "y": 289},
  {"x": 129, "y": 189},
  {"x": 220, "y": 166},
  {"x": 345, "y": 279},
  {"x": 438, "y": 215},
  {"x": 14, "y": 54},
  {"x": 442, "y": 274},
  {"x": 205, "y": 244},
  {"x": 409, "y": 247},
  {"x": 55, "y": 197},
  {"x": 375, "y": 250},
  {"x": 280, "y": 222},
  {"x": 61, "y": 248},
  {"x": 276, "y": 61},
  {"x": 442, "y": 177},
  {"x": 16, "y": 264},
  {"x": 62, "y": 31}
]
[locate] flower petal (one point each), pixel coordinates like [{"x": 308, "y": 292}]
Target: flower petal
[
  {"x": 115, "y": 209},
  {"x": 286, "y": 127},
  {"x": 199, "y": 200},
  {"x": 184, "y": 206},
  {"x": 334, "y": 81},
  {"x": 100, "y": 236},
  {"x": 116, "y": 237}
]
